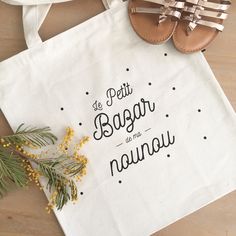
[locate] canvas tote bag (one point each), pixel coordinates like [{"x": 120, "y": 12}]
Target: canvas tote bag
[{"x": 162, "y": 131}]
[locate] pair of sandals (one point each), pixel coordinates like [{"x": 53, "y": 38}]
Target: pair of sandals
[{"x": 192, "y": 24}]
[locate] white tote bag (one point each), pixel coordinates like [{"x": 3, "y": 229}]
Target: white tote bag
[{"x": 162, "y": 131}]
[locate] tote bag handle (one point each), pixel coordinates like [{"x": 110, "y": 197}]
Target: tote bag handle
[
  {"x": 34, "y": 13},
  {"x": 111, "y": 3}
]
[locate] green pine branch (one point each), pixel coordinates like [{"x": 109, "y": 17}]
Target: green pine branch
[
  {"x": 11, "y": 170},
  {"x": 38, "y": 137},
  {"x": 59, "y": 173}
]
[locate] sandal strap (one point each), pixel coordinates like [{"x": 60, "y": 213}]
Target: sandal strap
[
  {"x": 160, "y": 11},
  {"x": 167, "y": 8},
  {"x": 212, "y": 5},
  {"x": 194, "y": 23},
  {"x": 168, "y": 3},
  {"x": 200, "y": 12},
  {"x": 211, "y": 24}
]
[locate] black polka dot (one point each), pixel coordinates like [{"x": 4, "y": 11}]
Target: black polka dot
[
  {"x": 167, "y": 115},
  {"x": 205, "y": 137},
  {"x": 165, "y": 54},
  {"x": 120, "y": 181},
  {"x": 87, "y": 93},
  {"x": 62, "y": 108},
  {"x": 127, "y": 69},
  {"x": 168, "y": 155},
  {"x": 149, "y": 83},
  {"x": 80, "y": 123},
  {"x": 173, "y": 88},
  {"x": 199, "y": 110},
  {"x": 81, "y": 193}
]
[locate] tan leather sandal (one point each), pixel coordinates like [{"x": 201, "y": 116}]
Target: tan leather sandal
[
  {"x": 200, "y": 23},
  {"x": 154, "y": 20}
]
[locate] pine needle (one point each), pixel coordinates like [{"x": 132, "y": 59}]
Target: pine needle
[
  {"x": 38, "y": 137},
  {"x": 59, "y": 172},
  {"x": 11, "y": 170}
]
